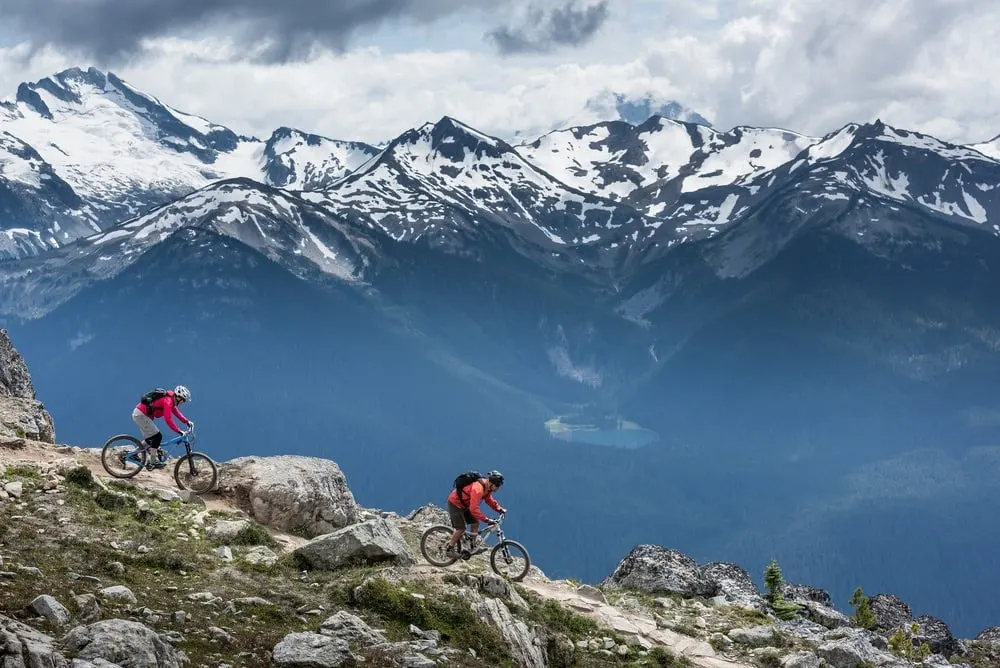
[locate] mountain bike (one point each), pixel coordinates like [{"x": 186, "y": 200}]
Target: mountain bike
[
  {"x": 123, "y": 456},
  {"x": 503, "y": 556}
]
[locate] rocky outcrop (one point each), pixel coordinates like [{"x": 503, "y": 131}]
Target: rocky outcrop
[
  {"x": 527, "y": 646},
  {"x": 15, "y": 380},
  {"x": 291, "y": 493},
  {"x": 660, "y": 570},
  {"x": 735, "y": 584},
  {"x": 890, "y": 612},
  {"x": 21, "y": 645},
  {"x": 429, "y": 515},
  {"x": 803, "y": 594},
  {"x": 352, "y": 630},
  {"x": 373, "y": 541},
  {"x": 990, "y": 636},
  {"x": 21, "y": 415},
  {"x": 123, "y": 642},
  {"x": 938, "y": 637}
]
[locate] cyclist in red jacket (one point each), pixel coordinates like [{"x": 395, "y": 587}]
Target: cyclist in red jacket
[
  {"x": 464, "y": 507},
  {"x": 160, "y": 404}
]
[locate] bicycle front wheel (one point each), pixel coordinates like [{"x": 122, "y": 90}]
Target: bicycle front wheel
[
  {"x": 196, "y": 473},
  {"x": 122, "y": 456},
  {"x": 432, "y": 546},
  {"x": 510, "y": 560}
]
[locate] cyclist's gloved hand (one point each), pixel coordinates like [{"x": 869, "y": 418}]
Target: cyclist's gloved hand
[
  {"x": 190, "y": 425},
  {"x": 502, "y": 511}
]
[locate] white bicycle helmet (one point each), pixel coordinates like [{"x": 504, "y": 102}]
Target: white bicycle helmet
[{"x": 182, "y": 393}]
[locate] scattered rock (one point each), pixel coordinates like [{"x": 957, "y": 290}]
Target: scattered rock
[
  {"x": 801, "y": 660},
  {"x": 526, "y": 646},
  {"x": 224, "y": 553},
  {"x": 373, "y": 541},
  {"x": 657, "y": 569},
  {"x": 804, "y": 594},
  {"x": 88, "y": 609},
  {"x": 21, "y": 645},
  {"x": 990, "y": 636},
  {"x": 290, "y": 493},
  {"x": 14, "y": 489},
  {"x": 849, "y": 652},
  {"x": 312, "y": 650},
  {"x": 116, "y": 568},
  {"x": 51, "y": 609}
]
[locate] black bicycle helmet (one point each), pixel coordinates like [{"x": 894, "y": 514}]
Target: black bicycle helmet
[{"x": 495, "y": 477}]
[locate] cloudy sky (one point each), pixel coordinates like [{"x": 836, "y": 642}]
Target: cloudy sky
[{"x": 369, "y": 69}]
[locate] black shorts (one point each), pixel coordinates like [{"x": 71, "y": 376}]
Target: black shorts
[{"x": 460, "y": 516}]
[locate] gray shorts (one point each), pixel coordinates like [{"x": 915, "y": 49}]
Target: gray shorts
[
  {"x": 146, "y": 426},
  {"x": 459, "y": 516}
]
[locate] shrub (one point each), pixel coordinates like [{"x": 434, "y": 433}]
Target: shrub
[
  {"x": 901, "y": 643},
  {"x": 254, "y": 534},
  {"x": 81, "y": 477},
  {"x": 664, "y": 658},
  {"x": 112, "y": 501}
]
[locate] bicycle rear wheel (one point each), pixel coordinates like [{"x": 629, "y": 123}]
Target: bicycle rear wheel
[
  {"x": 196, "y": 473},
  {"x": 432, "y": 546},
  {"x": 122, "y": 456},
  {"x": 510, "y": 560}
]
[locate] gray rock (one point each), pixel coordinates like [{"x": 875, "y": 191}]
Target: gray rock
[
  {"x": 373, "y": 541},
  {"x": 735, "y": 584},
  {"x": 23, "y": 647},
  {"x": 756, "y": 636},
  {"x": 351, "y": 629},
  {"x": 656, "y": 569},
  {"x": 48, "y": 607},
  {"x": 259, "y": 555},
  {"x": 226, "y": 530},
  {"x": 850, "y": 652},
  {"x": 25, "y": 418},
  {"x": 88, "y": 608},
  {"x": 291, "y": 493},
  {"x": 15, "y": 489},
  {"x": 224, "y": 553},
  {"x": 800, "y": 660},
  {"x": 498, "y": 587},
  {"x": 525, "y": 644},
  {"x": 122, "y": 641},
  {"x": 119, "y": 593},
  {"x": 890, "y": 612},
  {"x": 312, "y": 650}
]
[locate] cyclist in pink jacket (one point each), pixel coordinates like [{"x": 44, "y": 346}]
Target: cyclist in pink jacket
[{"x": 160, "y": 403}]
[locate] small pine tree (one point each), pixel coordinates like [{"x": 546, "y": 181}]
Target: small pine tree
[
  {"x": 863, "y": 615},
  {"x": 774, "y": 583}
]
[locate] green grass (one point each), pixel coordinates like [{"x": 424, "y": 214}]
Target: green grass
[
  {"x": 25, "y": 471},
  {"x": 448, "y": 613},
  {"x": 254, "y": 534}
]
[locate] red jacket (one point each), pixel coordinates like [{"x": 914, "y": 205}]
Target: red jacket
[
  {"x": 476, "y": 493},
  {"x": 165, "y": 408}
]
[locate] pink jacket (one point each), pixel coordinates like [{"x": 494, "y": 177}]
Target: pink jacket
[{"x": 165, "y": 408}]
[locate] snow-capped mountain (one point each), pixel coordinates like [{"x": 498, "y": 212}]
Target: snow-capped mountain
[{"x": 122, "y": 151}]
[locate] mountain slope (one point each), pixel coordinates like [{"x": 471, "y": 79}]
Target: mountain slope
[{"x": 118, "y": 152}]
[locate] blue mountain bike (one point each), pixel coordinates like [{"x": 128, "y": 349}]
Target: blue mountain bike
[{"x": 123, "y": 456}]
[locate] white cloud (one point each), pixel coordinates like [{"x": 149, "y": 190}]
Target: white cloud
[{"x": 808, "y": 65}]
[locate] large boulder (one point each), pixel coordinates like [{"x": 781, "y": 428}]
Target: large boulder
[
  {"x": 851, "y": 652},
  {"x": 803, "y": 594},
  {"x": 655, "y": 569},
  {"x": 291, "y": 493},
  {"x": 735, "y": 584},
  {"x": 123, "y": 642},
  {"x": 351, "y": 629},
  {"x": 428, "y": 515},
  {"x": 312, "y": 650},
  {"x": 373, "y": 541},
  {"x": 21, "y": 416},
  {"x": 21, "y": 645},
  {"x": 890, "y": 612},
  {"x": 527, "y": 646}
]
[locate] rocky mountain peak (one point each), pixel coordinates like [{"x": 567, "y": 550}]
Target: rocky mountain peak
[{"x": 15, "y": 379}]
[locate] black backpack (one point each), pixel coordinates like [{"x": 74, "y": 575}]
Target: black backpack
[
  {"x": 153, "y": 395},
  {"x": 465, "y": 479}
]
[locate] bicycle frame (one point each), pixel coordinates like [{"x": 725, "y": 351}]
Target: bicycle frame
[
  {"x": 487, "y": 530},
  {"x": 186, "y": 438}
]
